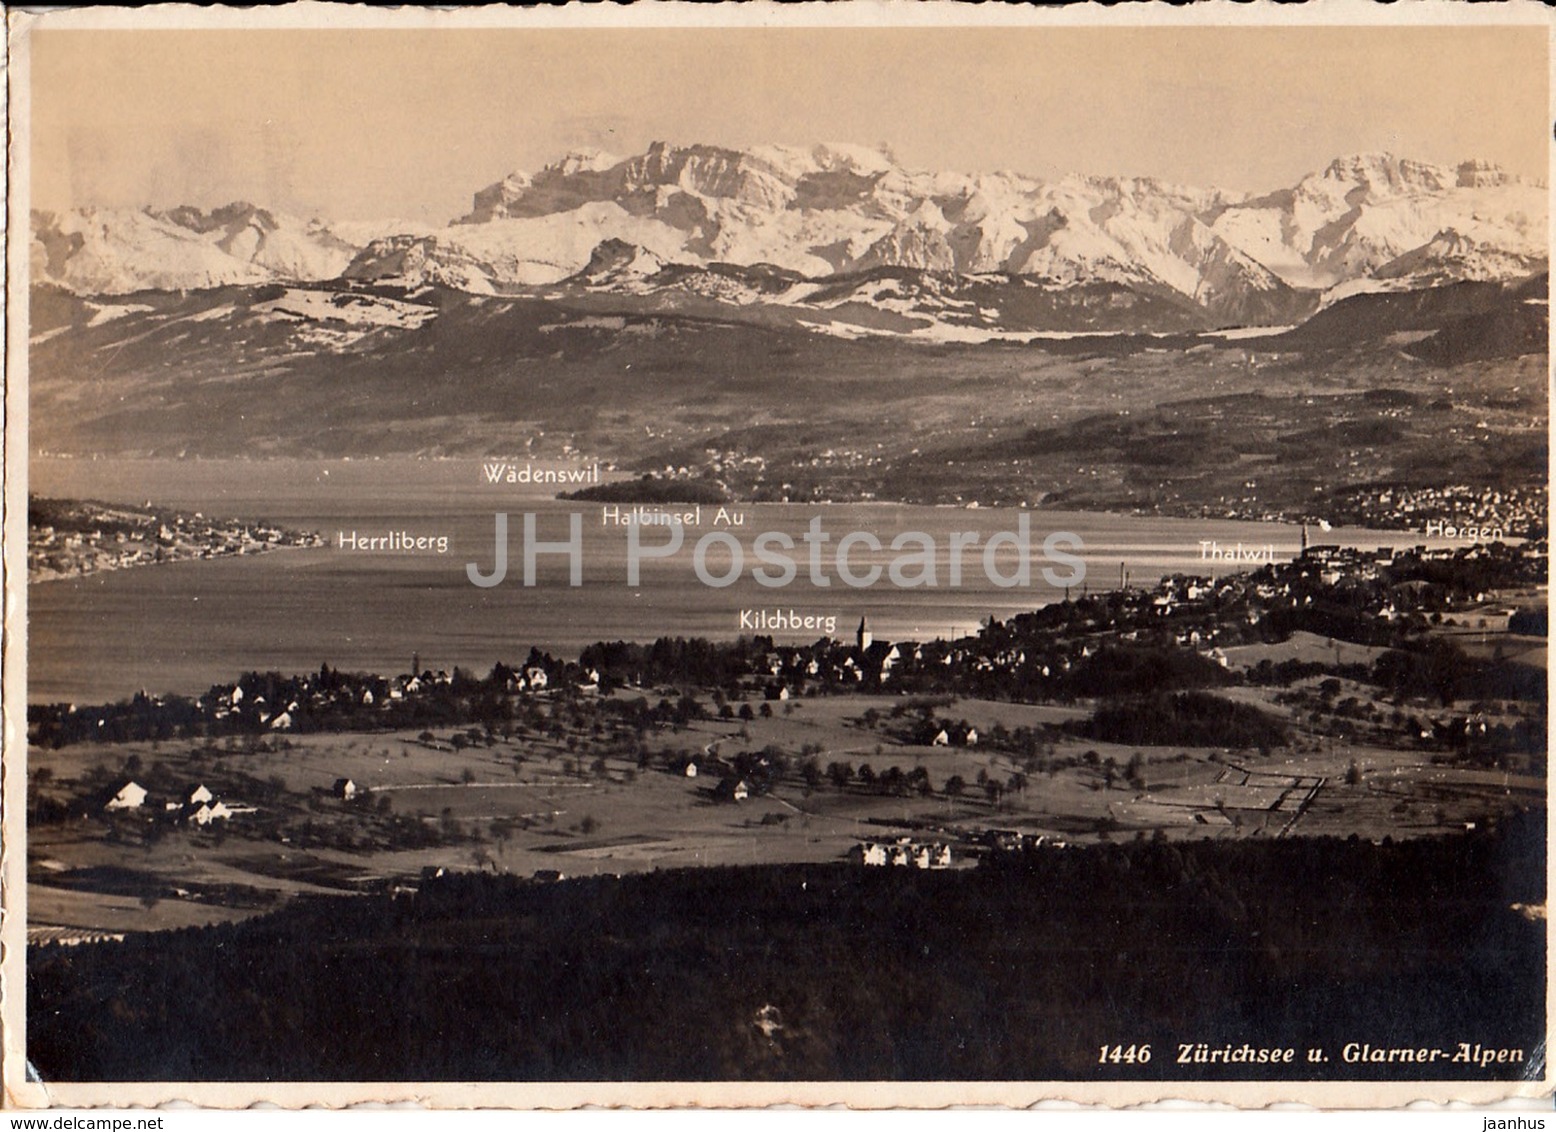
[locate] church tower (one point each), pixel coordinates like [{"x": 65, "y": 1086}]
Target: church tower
[{"x": 864, "y": 636}]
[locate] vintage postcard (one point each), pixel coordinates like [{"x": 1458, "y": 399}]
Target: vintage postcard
[{"x": 894, "y": 556}]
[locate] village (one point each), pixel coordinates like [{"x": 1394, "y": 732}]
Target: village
[
  {"x": 1521, "y": 512},
  {"x": 1383, "y": 693},
  {"x": 71, "y": 539}
]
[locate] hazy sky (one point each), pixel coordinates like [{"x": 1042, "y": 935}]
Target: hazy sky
[{"x": 365, "y": 124}]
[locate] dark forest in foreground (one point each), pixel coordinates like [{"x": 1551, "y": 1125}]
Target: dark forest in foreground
[{"x": 1021, "y": 969}]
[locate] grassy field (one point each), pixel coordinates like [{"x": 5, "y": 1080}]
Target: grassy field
[{"x": 579, "y": 799}]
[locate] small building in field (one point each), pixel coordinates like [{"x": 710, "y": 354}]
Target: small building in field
[
  {"x": 732, "y": 790},
  {"x": 130, "y": 796},
  {"x": 344, "y": 788},
  {"x": 207, "y": 812},
  {"x": 870, "y": 853}
]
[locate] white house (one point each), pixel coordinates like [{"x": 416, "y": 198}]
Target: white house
[
  {"x": 732, "y": 790},
  {"x": 130, "y": 796},
  {"x": 207, "y": 812},
  {"x": 344, "y": 788},
  {"x": 197, "y": 794},
  {"x": 872, "y": 853}
]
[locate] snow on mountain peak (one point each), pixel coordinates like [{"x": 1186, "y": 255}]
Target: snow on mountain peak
[
  {"x": 1383, "y": 173},
  {"x": 832, "y": 156},
  {"x": 1480, "y": 174},
  {"x": 115, "y": 251},
  {"x": 827, "y": 208},
  {"x": 584, "y": 161}
]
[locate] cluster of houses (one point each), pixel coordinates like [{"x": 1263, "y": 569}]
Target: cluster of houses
[
  {"x": 1518, "y": 511},
  {"x": 1044, "y": 653},
  {"x": 903, "y": 853},
  {"x": 786, "y": 671},
  {"x": 738, "y": 779},
  {"x": 1204, "y": 614},
  {"x": 828, "y": 661},
  {"x": 908, "y": 853},
  {"x": 91, "y": 538},
  {"x": 1014, "y": 841},
  {"x": 960, "y": 734},
  {"x": 196, "y": 805},
  {"x": 333, "y": 690}
]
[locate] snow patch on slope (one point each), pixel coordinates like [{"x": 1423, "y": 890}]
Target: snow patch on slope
[{"x": 336, "y": 319}]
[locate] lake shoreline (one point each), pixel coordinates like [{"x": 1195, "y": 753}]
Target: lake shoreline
[{"x": 96, "y": 638}]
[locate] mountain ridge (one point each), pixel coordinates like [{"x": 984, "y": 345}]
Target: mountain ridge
[{"x": 1364, "y": 222}]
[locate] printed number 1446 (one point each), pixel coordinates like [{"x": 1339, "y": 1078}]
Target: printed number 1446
[{"x": 1124, "y": 1055}]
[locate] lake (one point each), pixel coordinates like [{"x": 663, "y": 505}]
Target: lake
[{"x": 185, "y": 626}]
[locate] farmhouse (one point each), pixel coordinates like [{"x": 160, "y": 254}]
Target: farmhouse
[
  {"x": 130, "y": 796},
  {"x": 344, "y": 788},
  {"x": 207, "y": 812},
  {"x": 732, "y": 790}
]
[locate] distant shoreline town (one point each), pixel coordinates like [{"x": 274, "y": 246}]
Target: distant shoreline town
[
  {"x": 74, "y": 538},
  {"x": 1475, "y": 513},
  {"x": 1388, "y": 599}
]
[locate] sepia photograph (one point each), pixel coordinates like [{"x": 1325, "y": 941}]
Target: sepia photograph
[{"x": 762, "y": 555}]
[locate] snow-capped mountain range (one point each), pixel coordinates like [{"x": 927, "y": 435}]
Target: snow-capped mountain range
[
  {"x": 115, "y": 251},
  {"x": 1364, "y": 223}
]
